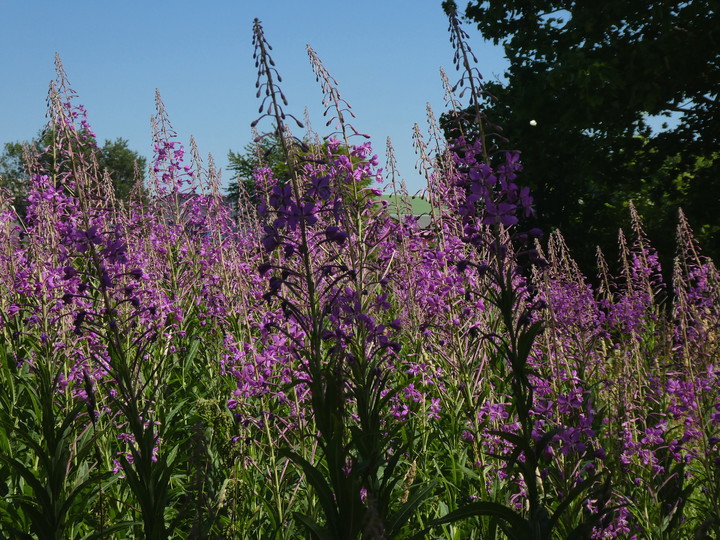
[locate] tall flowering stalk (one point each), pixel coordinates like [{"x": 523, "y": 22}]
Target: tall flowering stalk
[
  {"x": 97, "y": 268},
  {"x": 47, "y": 407},
  {"x": 333, "y": 296},
  {"x": 492, "y": 206}
]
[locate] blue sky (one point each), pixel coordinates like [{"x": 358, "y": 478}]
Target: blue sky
[{"x": 385, "y": 56}]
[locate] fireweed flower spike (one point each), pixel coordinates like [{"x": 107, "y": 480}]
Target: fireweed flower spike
[
  {"x": 325, "y": 284},
  {"x": 267, "y": 74},
  {"x": 492, "y": 206}
]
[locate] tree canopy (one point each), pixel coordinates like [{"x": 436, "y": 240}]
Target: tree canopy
[
  {"x": 264, "y": 152},
  {"x": 267, "y": 152},
  {"x": 588, "y": 85},
  {"x": 114, "y": 157}
]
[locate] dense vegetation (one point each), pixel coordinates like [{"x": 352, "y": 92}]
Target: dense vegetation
[
  {"x": 314, "y": 367},
  {"x": 599, "y": 79},
  {"x": 125, "y": 168}
]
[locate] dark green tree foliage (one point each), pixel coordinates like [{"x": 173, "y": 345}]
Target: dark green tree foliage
[
  {"x": 590, "y": 74},
  {"x": 121, "y": 162},
  {"x": 12, "y": 174},
  {"x": 114, "y": 157},
  {"x": 268, "y": 153}
]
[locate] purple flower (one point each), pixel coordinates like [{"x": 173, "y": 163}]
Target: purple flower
[
  {"x": 270, "y": 239},
  {"x": 280, "y": 196},
  {"x": 69, "y": 272},
  {"x": 334, "y": 234},
  {"x": 526, "y": 201},
  {"x": 503, "y": 213},
  {"x": 320, "y": 187}
]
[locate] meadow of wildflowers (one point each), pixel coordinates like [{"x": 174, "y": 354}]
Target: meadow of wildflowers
[{"x": 312, "y": 367}]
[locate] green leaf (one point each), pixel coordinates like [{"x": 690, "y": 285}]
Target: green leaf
[
  {"x": 40, "y": 492},
  {"x": 101, "y": 535},
  {"x": 519, "y": 526},
  {"x": 398, "y": 519},
  {"x": 576, "y": 492},
  {"x": 317, "y": 481},
  {"x": 318, "y": 532}
]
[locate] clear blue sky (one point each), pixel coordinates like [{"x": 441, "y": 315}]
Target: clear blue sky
[{"x": 385, "y": 56}]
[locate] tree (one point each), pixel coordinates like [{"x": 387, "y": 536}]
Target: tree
[
  {"x": 586, "y": 81},
  {"x": 268, "y": 153},
  {"x": 265, "y": 152},
  {"x": 12, "y": 173},
  {"x": 114, "y": 157},
  {"x": 121, "y": 162}
]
